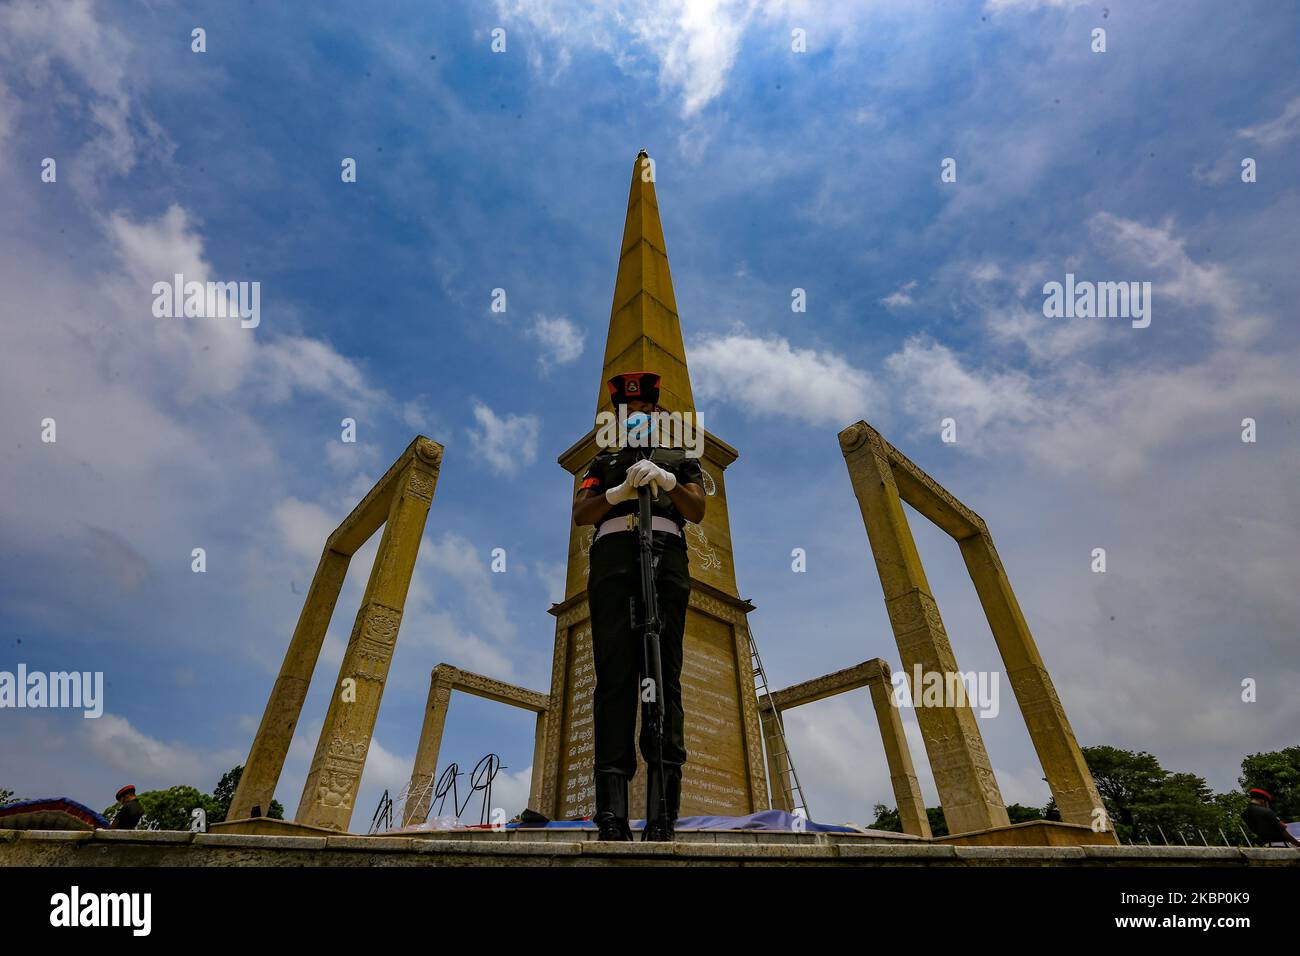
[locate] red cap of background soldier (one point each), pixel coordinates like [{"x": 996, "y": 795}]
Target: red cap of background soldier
[
  {"x": 127, "y": 791},
  {"x": 631, "y": 386},
  {"x": 1255, "y": 791}
]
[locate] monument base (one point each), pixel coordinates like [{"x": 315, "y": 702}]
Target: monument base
[
  {"x": 1033, "y": 833},
  {"x": 267, "y": 826}
]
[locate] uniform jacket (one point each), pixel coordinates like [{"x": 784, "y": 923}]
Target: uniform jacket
[{"x": 609, "y": 468}]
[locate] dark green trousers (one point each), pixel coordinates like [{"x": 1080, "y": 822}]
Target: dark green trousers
[{"x": 619, "y": 653}]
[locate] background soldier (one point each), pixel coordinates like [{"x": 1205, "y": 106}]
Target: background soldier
[
  {"x": 1264, "y": 823},
  {"x": 607, "y": 498},
  {"x": 130, "y": 813}
]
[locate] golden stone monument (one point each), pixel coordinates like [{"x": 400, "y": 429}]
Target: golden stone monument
[
  {"x": 738, "y": 762},
  {"x": 724, "y": 772}
]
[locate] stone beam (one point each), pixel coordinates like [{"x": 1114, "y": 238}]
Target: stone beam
[
  {"x": 330, "y": 791},
  {"x": 902, "y": 775},
  {"x": 1067, "y": 773},
  {"x": 445, "y": 679},
  {"x": 876, "y": 675},
  {"x": 371, "y": 512},
  {"x": 828, "y": 685},
  {"x": 962, "y": 772},
  {"x": 925, "y": 494},
  {"x": 265, "y": 762}
]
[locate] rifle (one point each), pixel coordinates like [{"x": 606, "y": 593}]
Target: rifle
[{"x": 653, "y": 663}]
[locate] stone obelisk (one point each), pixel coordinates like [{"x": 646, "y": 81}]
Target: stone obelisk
[{"x": 724, "y": 771}]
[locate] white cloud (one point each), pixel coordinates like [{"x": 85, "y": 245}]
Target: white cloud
[
  {"x": 560, "y": 339},
  {"x": 1183, "y": 280},
  {"x": 1113, "y": 421},
  {"x": 1045, "y": 340},
  {"x": 1278, "y": 130},
  {"x": 553, "y": 574},
  {"x": 384, "y": 770},
  {"x": 454, "y": 557},
  {"x": 467, "y": 650},
  {"x": 126, "y": 750},
  {"x": 935, "y": 384},
  {"x": 36, "y": 35},
  {"x": 504, "y": 442},
  {"x": 692, "y": 43},
  {"x": 303, "y": 527},
  {"x": 215, "y": 356},
  {"x": 836, "y": 750},
  {"x": 900, "y": 296},
  {"x": 997, "y": 6},
  {"x": 9, "y": 108},
  {"x": 770, "y": 377}
]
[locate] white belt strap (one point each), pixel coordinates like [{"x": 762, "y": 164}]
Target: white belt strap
[{"x": 628, "y": 522}]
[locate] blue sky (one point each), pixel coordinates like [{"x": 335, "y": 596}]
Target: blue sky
[{"x": 775, "y": 170}]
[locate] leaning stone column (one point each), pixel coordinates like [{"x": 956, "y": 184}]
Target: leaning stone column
[
  {"x": 1067, "y": 773},
  {"x": 539, "y": 761},
  {"x": 327, "y": 797},
  {"x": 266, "y": 758},
  {"x": 963, "y": 775},
  {"x": 419, "y": 794},
  {"x": 907, "y": 789}
]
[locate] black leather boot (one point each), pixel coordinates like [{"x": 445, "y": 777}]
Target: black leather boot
[
  {"x": 659, "y": 830},
  {"x": 611, "y": 807}
]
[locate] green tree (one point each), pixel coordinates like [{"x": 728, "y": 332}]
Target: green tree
[
  {"x": 224, "y": 794},
  {"x": 938, "y": 822},
  {"x": 6, "y": 796},
  {"x": 1229, "y": 807},
  {"x": 1278, "y": 773},
  {"x": 886, "y": 819},
  {"x": 1018, "y": 814},
  {"x": 1181, "y": 805},
  {"x": 1146, "y": 802},
  {"x": 1125, "y": 780},
  {"x": 170, "y": 809}
]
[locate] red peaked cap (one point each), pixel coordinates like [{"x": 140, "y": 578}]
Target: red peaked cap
[
  {"x": 629, "y": 386},
  {"x": 1263, "y": 793},
  {"x": 128, "y": 789}
]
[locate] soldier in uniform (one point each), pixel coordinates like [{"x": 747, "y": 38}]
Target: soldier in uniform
[
  {"x": 607, "y": 498},
  {"x": 130, "y": 813}
]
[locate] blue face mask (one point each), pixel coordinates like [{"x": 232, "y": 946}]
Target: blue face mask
[{"x": 640, "y": 427}]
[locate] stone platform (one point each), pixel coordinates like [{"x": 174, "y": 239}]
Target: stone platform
[{"x": 727, "y": 848}]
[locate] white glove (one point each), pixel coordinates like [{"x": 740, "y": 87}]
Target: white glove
[
  {"x": 624, "y": 492},
  {"x": 645, "y": 471}
]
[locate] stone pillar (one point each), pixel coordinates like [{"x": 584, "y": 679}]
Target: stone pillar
[
  {"x": 266, "y": 758},
  {"x": 907, "y": 790},
  {"x": 1067, "y": 773},
  {"x": 419, "y": 794},
  {"x": 778, "y": 757},
  {"x": 331, "y": 788},
  {"x": 968, "y": 791},
  {"x": 539, "y": 761}
]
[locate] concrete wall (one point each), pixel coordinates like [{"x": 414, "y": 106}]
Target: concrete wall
[{"x": 569, "y": 848}]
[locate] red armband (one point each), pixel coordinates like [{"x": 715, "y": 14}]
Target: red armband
[{"x": 589, "y": 483}]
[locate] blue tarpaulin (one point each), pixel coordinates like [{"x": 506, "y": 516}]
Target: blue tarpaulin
[{"x": 50, "y": 813}]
